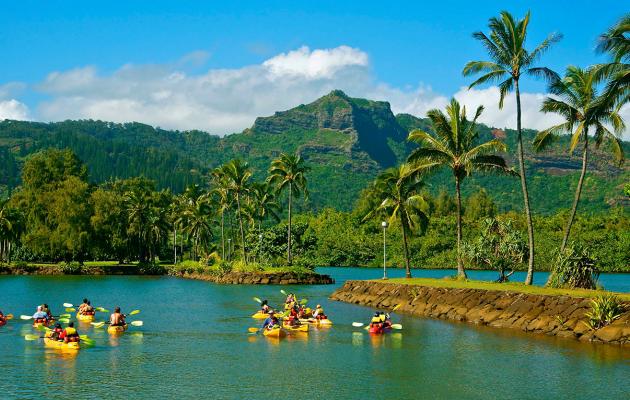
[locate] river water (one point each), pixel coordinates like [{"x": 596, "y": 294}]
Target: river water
[{"x": 194, "y": 344}]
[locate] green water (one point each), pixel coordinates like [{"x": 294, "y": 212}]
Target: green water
[{"x": 194, "y": 345}]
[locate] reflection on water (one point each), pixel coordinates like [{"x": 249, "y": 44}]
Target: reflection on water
[{"x": 195, "y": 339}]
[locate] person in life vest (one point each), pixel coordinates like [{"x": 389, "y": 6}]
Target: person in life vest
[
  {"x": 40, "y": 316},
  {"x": 46, "y": 309},
  {"x": 270, "y": 321},
  {"x": 117, "y": 319},
  {"x": 69, "y": 334},
  {"x": 264, "y": 307},
  {"x": 86, "y": 308},
  {"x": 3, "y": 319},
  {"x": 319, "y": 313},
  {"x": 55, "y": 332},
  {"x": 377, "y": 323}
]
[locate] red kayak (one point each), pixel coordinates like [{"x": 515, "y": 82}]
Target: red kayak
[
  {"x": 379, "y": 329},
  {"x": 3, "y": 321}
]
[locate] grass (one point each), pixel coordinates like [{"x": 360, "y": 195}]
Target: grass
[{"x": 506, "y": 287}]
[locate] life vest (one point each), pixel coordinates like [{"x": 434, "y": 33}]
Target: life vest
[
  {"x": 376, "y": 320},
  {"x": 71, "y": 332}
]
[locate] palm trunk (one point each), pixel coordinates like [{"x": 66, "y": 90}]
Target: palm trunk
[
  {"x": 578, "y": 192},
  {"x": 222, "y": 236},
  {"x": 521, "y": 164},
  {"x": 289, "y": 255},
  {"x": 240, "y": 223},
  {"x": 406, "y": 250},
  {"x": 461, "y": 273}
]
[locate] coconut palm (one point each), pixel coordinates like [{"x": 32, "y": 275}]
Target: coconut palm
[
  {"x": 289, "y": 172},
  {"x": 11, "y": 227},
  {"x": 395, "y": 195},
  {"x": 138, "y": 209},
  {"x": 237, "y": 175},
  {"x": 576, "y": 99},
  {"x": 616, "y": 42},
  {"x": 221, "y": 193},
  {"x": 453, "y": 143},
  {"x": 509, "y": 61},
  {"x": 262, "y": 203},
  {"x": 196, "y": 220}
]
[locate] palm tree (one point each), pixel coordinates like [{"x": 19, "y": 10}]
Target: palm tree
[
  {"x": 263, "y": 202},
  {"x": 196, "y": 221},
  {"x": 616, "y": 42},
  {"x": 453, "y": 143},
  {"x": 237, "y": 175},
  {"x": 576, "y": 99},
  {"x": 396, "y": 196},
  {"x": 11, "y": 227},
  {"x": 221, "y": 193},
  {"x": 289, "y": 172},
  {"x": 137, "y": 207},
  {"x": 509, "y": 60}
]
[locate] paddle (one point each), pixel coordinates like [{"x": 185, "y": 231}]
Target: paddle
[
  {"x": 70, "y": 309},
  {"x": 32, "y": 337},
  {"x": 358, "y": 324},
  {"x": 253, "y": 330},
  {"x": 8, "y": 316},
  {"x": 26, "y": 317},
  {"x": 396, "y": 307},
  {"x": 283, "y": 292},
  {"x": 102, "y": 323},
  {"x": 257, "y": 300}
]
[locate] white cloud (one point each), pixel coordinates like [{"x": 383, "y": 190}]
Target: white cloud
[
  {"x": 228, "y": 100},
  {"x": 13, "y": 109}
]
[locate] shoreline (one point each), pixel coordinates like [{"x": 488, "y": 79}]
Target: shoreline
[{"x": 558, "y": 315}]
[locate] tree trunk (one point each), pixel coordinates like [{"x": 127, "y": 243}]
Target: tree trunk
[
  {"x": 578, "y": 192},
  {"x": 521, "y": 164},
  {"x": 240, "y": 223},
  {"x": 289, "y": 255},
  {"x": 222, "y": 236},
  {"x": 406, "y": 249},
  {"x": 461, "y": 273}
]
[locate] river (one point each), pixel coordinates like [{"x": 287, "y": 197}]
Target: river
[{"x": 194, "y": 343}]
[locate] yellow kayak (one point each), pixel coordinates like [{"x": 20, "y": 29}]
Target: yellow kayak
[
  {"x": 275, "y": 333},
  {"x": 116, "y": 329},
  {"x": 299, "y": 328},
  {"x": 319, "y": 322},
  {"x": 38, "y": 324},
  {"x": 56, "y": 344},
  {"x": 85, "y": 317},
  {"x": 260, "y": 315}
]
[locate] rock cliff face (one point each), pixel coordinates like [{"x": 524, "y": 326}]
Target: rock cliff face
[{"x": 560, "y": 316}]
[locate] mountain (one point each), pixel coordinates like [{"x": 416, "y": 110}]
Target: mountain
[{"x": 346, "y": 142}]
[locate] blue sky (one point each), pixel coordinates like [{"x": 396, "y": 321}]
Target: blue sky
[{"x": 61, "y": 55}]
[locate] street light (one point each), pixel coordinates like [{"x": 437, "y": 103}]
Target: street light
[
  {"x": 384, "y": 225},
  {"x": 260, "y": 235},
  {"x": 229, "y": 249}
]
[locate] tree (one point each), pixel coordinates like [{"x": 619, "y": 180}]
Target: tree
[
  {"x": 194, "y": 217},
  {"x": 11, "y": 228},
  {"x": 221, "y": 193},
  {"x": 499, "y": 246},
  {"x": 453, "y": 143},
  {"x": 509, "y": 60},
  {"x": 263, "y": 203},
  {"x": 577, "y": 101},
  {"x": 237, "y": 175},
  {"x": 289, "y": 172},
  {"x": 396, "y": 193},
  {"x": 479, "y": 205}
]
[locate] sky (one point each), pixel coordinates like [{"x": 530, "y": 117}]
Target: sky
[{"x": 216, "y": 66}]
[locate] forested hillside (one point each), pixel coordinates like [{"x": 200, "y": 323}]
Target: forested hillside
[{"x": 345, "y": 141}]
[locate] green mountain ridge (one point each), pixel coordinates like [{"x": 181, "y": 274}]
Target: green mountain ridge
[{"x": 346, "y": 142}]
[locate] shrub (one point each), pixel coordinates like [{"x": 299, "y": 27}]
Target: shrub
[
  {"x": 71, "y": 268},
  {"x": 151, "y": 268},
  {"x": 574, "y": 268},
  {"x": 604, "y": 310}
]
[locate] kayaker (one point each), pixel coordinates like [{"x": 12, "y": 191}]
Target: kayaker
[
  {"x": 377, "y": 321},
  {"x": 69, "y": 334},
  {"x": 56, "y": 332},
  {"x": 86, "y": 308},
  {"x": 117, "y": 319},
  {"x": 46, "y": 309},
  {"x": 264, "y": 307},
  {"x": 270, "y": 321},
  {"x": 319, "y": 312},
  {"x": 40, "y": 316}
]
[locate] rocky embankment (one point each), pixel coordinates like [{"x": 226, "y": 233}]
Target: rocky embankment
[
  {"x": 252, "y": 278},
  {"x": 561, "y": 316}
]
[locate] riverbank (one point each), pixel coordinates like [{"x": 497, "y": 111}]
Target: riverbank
[
  {"x": 554, "y": 312},
  {"x": 262, "y": 278}
]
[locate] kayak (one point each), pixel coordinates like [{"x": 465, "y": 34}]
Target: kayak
[
  {"x": 116, "y": 329},
  {"x": 38, "y": 324},
  {"x": 260, "y": 315},
  {"x": 379, "y": 330},
  {"x": 3, "y": 322},
  {"x": 319, "y": 322},
  {"x": 85, "y": 317},
  {"x": 299, "y": 328},
  {"x": 56, "y": 344},
  {"x": 275, "y": 333}
]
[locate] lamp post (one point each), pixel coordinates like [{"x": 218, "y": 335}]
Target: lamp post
[
  {"x": 260, "y": 236},
  {"x": 384, "y": 225},
  {"x": 229, "y": 249}
]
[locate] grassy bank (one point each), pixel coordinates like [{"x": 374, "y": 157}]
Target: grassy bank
[{"x": 506, "y": 287}]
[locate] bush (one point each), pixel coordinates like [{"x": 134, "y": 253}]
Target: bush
[
  {"x": 574, "y": 268},
  {"x": 71, "y": 268},
  {"x": 151, "y": 268},
  {"x": 604, "y": 310}
]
